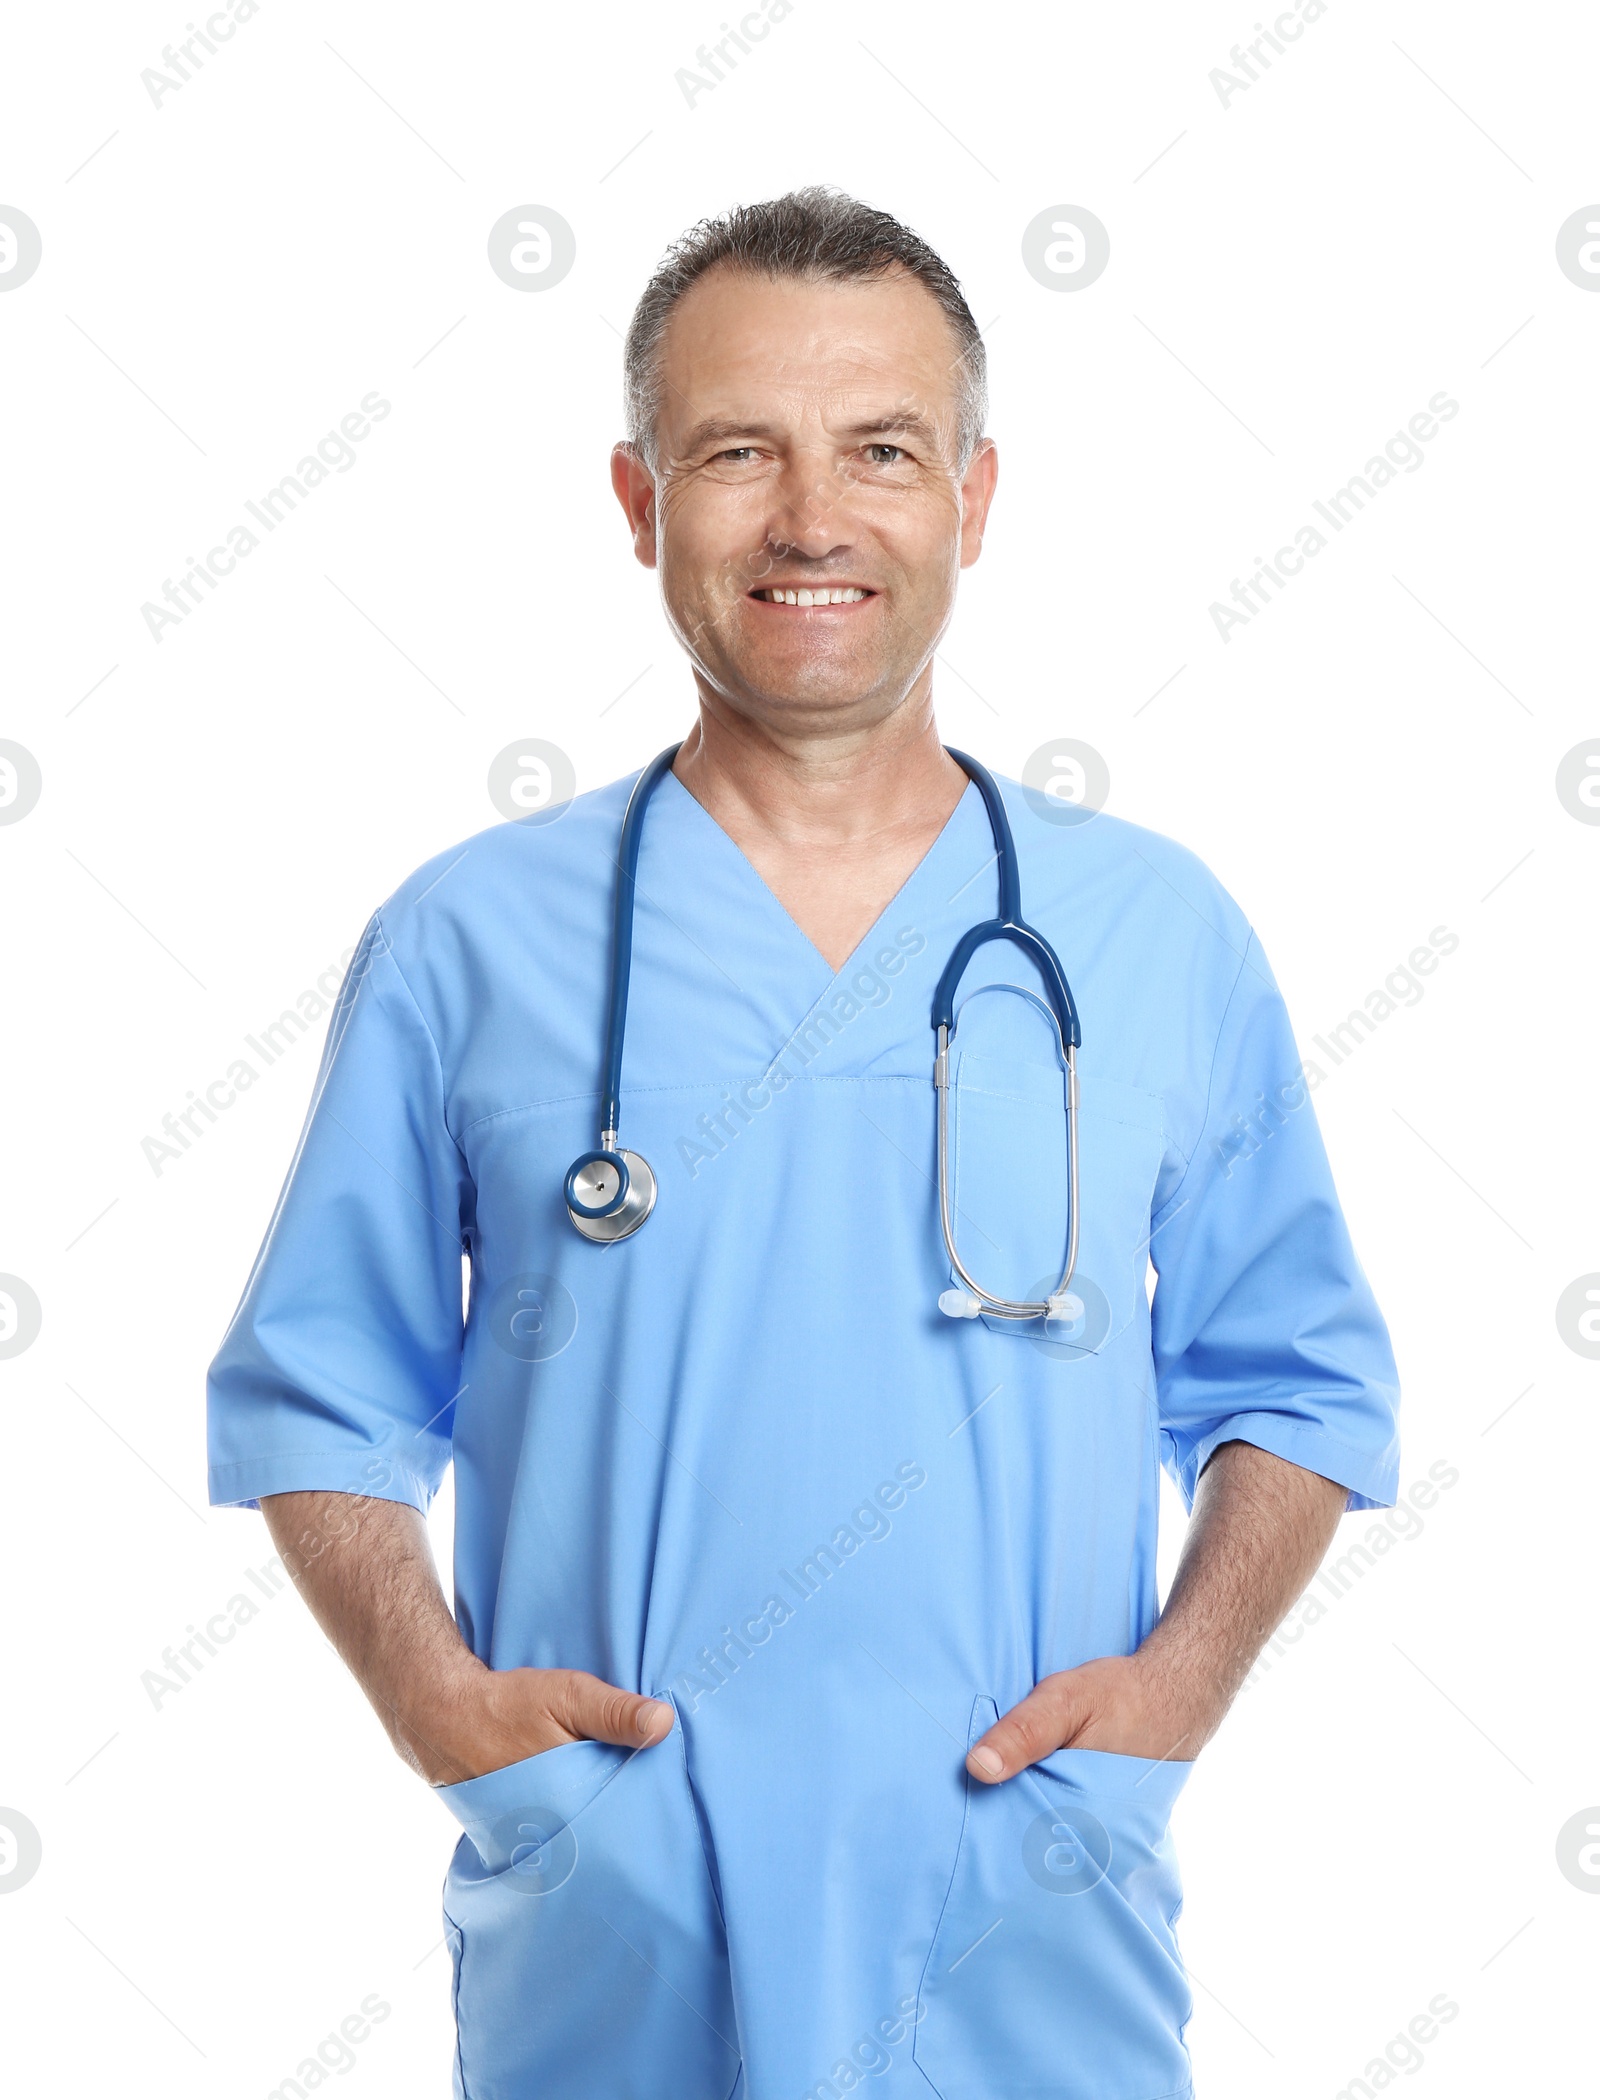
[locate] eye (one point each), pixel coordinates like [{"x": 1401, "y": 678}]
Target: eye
[
  {"x": 738, "y": 454},
  {"x": 885, "y": 455}
]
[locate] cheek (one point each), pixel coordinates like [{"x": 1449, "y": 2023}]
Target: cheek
[
  {"x": 920, "y": 532},
  {"x": 713, "y": 547}
]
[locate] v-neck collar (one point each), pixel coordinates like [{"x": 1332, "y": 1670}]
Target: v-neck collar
[{"x": 952, "y": 825}]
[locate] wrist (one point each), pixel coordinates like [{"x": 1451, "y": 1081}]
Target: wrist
[
  {"x": 1182, "y": 1697},
  {"x": 439, "y": 1728}
]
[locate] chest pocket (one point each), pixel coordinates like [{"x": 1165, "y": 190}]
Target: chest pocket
[
  {"x": 1010, "y": 1189},
  {"x": 1009, "y": 1171}
]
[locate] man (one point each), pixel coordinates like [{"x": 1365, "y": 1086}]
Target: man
[{"x": 805, "y": 1704}]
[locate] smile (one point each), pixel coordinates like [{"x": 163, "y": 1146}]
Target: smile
[{"x": 843, "y": 594}]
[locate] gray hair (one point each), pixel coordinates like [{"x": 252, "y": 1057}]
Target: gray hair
[{"x": 816, "y": 233}]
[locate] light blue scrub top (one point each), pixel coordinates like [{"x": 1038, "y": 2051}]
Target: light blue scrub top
[{"x": 742, "y": 1462}]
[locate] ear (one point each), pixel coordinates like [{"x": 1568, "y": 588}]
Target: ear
[
  {"x": 636, "y": 492},
  {"x": 977, "y": 493}
]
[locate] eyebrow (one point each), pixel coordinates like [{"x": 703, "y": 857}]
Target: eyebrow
[{"x": 725, "y": 430}]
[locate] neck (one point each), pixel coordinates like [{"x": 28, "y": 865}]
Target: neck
[{"x": 826, "y": 788}]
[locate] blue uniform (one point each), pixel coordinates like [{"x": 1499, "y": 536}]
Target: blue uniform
[{"x": 742, "y": 1462}]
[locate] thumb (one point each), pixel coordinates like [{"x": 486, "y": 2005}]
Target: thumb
[
  {"x": 587, "y": 1706},
  {"x": 1033, "y": 1728}
]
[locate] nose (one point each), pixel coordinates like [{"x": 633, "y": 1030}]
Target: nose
[{"x": 813, "y": 508}]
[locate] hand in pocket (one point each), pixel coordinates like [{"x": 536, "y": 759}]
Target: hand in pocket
[
  {"x": 1115, "y": 1703},
  {"x": 504, "y": 1716}
]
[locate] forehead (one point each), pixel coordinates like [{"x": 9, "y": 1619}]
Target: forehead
[{"x": 738, "y": 340}]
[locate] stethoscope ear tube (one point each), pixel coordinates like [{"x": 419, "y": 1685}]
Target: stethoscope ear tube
[
  {"x": 1009, "y": 926},
  {"x": 986, "y": 1301},
  {"x": 1034, "y": 945},
  {"x": 610, "y": 1193},
  {"x": 622, "y": 935}
]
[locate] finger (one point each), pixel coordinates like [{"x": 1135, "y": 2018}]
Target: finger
[
  {"x": 1032, "y": 1729},
  {"x": 602, "y": 1712}
]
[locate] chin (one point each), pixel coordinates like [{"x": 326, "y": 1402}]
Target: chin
[{"x": 817, "y": 689}]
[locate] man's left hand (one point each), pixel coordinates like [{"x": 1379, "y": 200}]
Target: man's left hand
[{"x": 1116, "y": 1703}]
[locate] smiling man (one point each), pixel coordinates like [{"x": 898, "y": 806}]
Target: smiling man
[{"x": 807, "y": 1703}]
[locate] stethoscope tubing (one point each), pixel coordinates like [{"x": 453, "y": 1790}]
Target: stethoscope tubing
[
  {"x": 627, "y": 1208},
  {"x": 1012, "y": 927},
  {"x": 1005, "y": 1308},
  {"x": 622, "y": 940}
]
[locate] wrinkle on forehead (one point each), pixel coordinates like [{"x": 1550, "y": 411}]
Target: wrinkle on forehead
[
  {"x": 835, "y": 415},
  {"x": 741, "y": 346}
]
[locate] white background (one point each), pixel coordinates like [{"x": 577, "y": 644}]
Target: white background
[{"x": 227, "y": 1876}]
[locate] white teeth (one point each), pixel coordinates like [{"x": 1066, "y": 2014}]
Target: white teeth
[{"x": 851, "y": 594}]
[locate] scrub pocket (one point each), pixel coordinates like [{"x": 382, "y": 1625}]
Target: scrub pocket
[
  {"x": 1054, "y": 1972},
  {"x": 1009, "y": 1175},
  {"x": 1010, "y": 1187},
  {"x": 588, "y": 1944}
]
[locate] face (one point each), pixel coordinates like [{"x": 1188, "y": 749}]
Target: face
[{"x": 807, "y": 445}]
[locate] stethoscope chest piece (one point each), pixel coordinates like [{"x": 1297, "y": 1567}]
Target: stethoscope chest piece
[{"x": 609, "y": 1194}]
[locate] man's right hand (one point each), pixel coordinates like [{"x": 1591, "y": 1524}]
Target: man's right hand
[
  {"x": 365, "y": 1567},
  {"x": 499, "y": 1716}
]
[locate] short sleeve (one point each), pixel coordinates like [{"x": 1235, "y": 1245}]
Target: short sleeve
[
  {"x": 341, "y": 1367},
  {"x": 1265, "y": 1330}
]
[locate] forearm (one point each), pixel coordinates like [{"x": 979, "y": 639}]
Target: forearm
[
  {"x": 1258, "y": 1532},
  {"x": 366, "y": 1569},
  {"x": 1259, "y": 1529}
]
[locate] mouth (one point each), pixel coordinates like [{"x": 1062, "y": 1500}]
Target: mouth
[{"x": 813, "y": 597}]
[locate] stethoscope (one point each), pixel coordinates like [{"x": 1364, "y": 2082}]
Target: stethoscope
[{"x": 610, "y": 1192}]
